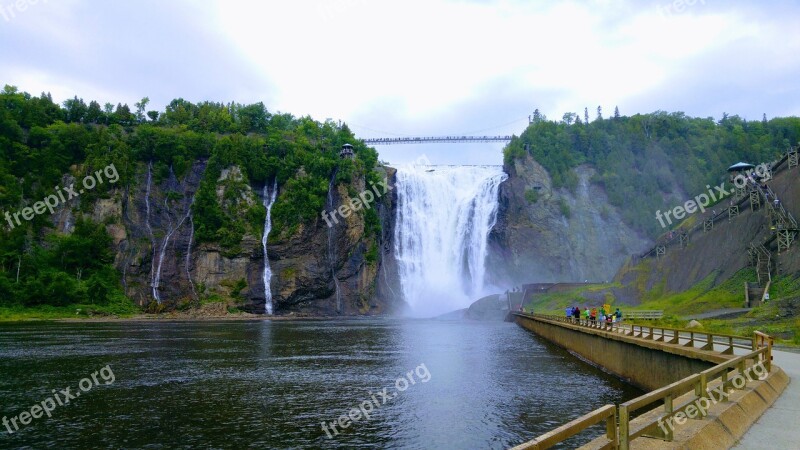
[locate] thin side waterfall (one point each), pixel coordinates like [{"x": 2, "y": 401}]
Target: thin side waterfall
[
  {"x": 444, "y": 216},
  {"x": 331, "y": 260},
  {"x": 189, "y": 256},
  {"x": 269, "y": 200},
  {"x": 149, "y": 227},
  {"x": 157, "y": 278}
]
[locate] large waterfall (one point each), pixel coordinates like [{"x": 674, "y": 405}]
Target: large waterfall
[
  {"x": 444, "y": 216},
  {"x": 269, "y": 200}
]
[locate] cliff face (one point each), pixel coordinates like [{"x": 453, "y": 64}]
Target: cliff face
[
  {"x": 316, "y": 269},
  {"x": 553, "y": 235}
]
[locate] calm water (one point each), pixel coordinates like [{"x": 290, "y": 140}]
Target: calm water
[{"x": 272, "y": 384}]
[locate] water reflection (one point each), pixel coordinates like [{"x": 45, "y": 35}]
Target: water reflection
[{"x": 272, "y": 384}]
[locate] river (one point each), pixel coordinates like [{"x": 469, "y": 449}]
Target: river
[{"x": 271, "y": 384}]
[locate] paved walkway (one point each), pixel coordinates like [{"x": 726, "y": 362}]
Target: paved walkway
[
  {"x": 718, "y": 313},
  {"x": 779, "y": 427}
]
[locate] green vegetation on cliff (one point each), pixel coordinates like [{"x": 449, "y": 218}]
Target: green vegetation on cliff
[
  {"x": 42, "y": 142},
  {"x": 650, "y": 162}
]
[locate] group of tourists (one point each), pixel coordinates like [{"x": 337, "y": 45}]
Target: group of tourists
[{"x": 594, "y": 315}]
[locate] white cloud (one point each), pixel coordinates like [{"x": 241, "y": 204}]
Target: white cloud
[{"x": 418, "y": 66}]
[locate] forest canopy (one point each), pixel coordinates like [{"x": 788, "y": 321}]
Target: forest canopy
[{"x": 647, "y": 162}]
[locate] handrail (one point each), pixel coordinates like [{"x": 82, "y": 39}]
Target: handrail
[
  {"x": 644, "y": 314},
  {"x": 698, "y": 383},
  {"x": 658, "y": 333},
  {"x": 568, "y": 430}
]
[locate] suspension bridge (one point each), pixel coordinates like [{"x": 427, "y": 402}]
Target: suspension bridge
[{"x": 435, "y": 140}]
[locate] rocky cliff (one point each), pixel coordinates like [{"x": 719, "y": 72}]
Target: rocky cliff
[
  {"x": 317, "y": 269},
  {"x": 544, "y": 234}
]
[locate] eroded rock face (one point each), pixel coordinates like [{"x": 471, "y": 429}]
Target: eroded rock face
[
  {"x": 316, "y": 270},
  {"x": 554, "y": 235}
]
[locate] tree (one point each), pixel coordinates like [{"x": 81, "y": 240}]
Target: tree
[
  {"x": 76, "y": 109},
  {"x": 586, "y": 116},
  {"x": 153, "y": 115},
  {"x": 94, "y": 114},
  {"x": 599, "y": 113},
  {"x": 569, "y": 117},
  {"x": 140, "y": 107},
  {"x": 616, "y": 113}
]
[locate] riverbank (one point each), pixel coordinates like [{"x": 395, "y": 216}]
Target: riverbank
[{"x": 92, "y": 314}]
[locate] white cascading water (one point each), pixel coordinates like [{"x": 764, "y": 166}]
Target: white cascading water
[
  {"x": 163, "y": 253},
  {"x": 444, "y": 216},
  {"x": 269, "y": 200}
]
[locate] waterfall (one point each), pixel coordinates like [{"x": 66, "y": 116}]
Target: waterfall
[
  {"x": 189, "y": 256},
  {"x": 269, "y": 200},
  {"x": 150, "y": 229},
  {"x": 444, "y": 216},
  {"x": 171, "y": 230},
  {"x": 331, "y": 259}
]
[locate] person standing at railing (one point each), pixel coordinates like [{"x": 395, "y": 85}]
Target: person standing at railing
[
  {"x": 618, "y": 315},
  {"x": 586, "y": 315},
  {"x": 576, "y": 315},
  {"x": 568, "y": 312},
  {"x": 593, "y": 316}
]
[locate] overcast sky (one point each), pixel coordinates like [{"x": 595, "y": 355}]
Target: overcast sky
[{"x": 414, "y": 67}]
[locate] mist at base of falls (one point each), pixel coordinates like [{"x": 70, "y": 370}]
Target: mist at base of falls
[{"x": 444, "y": 216}]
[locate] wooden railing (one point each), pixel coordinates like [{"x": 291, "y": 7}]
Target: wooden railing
[
  {"x": 668, "y": 395},
  {"x": 566, "y": 431},
  {"x": 698, "y": 384},
  {"x": 688, "y": 338},
  {"x": 650, "y": 315}
]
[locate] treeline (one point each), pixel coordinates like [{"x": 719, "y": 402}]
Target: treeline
[
  {"x": 650, "y": 162},
  {"x": 42, "y": 142}
]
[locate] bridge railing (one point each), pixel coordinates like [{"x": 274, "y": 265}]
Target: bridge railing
[
  {"x": 702, "y": 340},
  {"x": 435, "y": 139},
  {"x": 649, "y": 423},
  {"x": 607, "y": 413},
  {"x": 674, "y": 401}
]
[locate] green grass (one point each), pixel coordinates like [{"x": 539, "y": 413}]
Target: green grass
[
  {"x": 556, "y": 302},
  {"x": 120, "y": 308},
  {"x": 701, "y": 297}
]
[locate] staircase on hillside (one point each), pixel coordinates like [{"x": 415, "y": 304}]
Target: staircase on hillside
[
  {"x": 753, "y": 295},
  {"x": 761, "y": 259},
  {"x": 781, "y": 221}
]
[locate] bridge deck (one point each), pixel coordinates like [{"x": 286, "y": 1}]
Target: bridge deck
[{"x": 435, "y": 140}]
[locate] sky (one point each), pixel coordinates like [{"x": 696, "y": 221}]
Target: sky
[{"x": 416, "y": 67}]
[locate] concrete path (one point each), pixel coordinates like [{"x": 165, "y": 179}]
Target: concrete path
[
  {"x": 718, "y": 313},
  {"x": 779, "y": 427}
]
